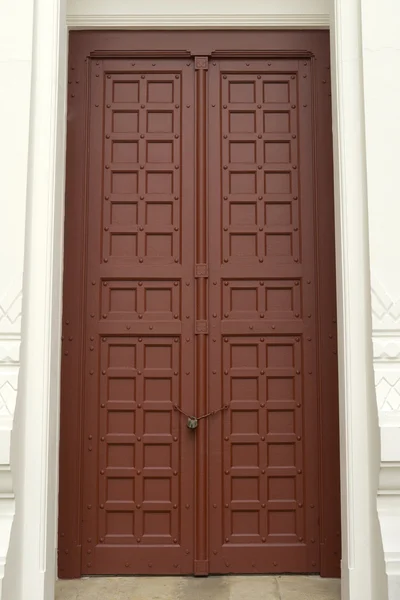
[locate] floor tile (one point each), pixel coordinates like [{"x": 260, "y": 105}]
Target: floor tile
[
  {"x": 251, "y": 587},
  {"x": 258, "y": 587},
  {"x": 292, "y": 587},
  {"x": 204, "y": 588}
]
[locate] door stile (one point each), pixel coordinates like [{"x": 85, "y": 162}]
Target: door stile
[{"x": 201, "y": 481}]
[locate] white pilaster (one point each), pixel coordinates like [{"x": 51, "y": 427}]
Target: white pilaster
[
  {"x": 30, "y": 571},
  {"x": 15, "y": 74},
  {"x": 362, "y": 560},
  {"x": 381, "y": 55}
]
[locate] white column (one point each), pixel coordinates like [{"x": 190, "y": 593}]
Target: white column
[
  {"x": 15, "y": 74},
  {"x": 362, "y": 562},
  {"x": 381, "y": 59},
  {"x": 31, "y": 567}
]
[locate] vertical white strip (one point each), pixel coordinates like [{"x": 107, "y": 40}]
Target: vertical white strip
[
  {"x": 358, "y": 419},
  {"x": 381, "y": 54},
  {"x": 34, "y": 562},
  {"x": 15, "y": 73}
]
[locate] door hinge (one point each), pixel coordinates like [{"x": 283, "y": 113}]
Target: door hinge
[
  {"x": 201, "y": 62},
  {"x": 201, "y": 326},
  {"x": 201, "y": 270}
]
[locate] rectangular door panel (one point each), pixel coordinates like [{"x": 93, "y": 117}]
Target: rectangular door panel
[
  {"x": 139, "y": 350},
  {"x": 264, "y": 447}
]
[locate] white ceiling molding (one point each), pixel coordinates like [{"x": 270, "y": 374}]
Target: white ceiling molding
[{"x": 92, "y": 20}]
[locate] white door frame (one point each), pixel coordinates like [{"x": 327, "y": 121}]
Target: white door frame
[{"x": 34, "y": 564}]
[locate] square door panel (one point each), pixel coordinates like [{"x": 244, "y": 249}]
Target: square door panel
[
  {"x": 160, "y": 151},
  {"x": 160, "y": 121},
  {"x": 242, "y": 92},
  {"x": 125, "y": 152},
  {"x": 126, "y": 91},
  {"x": 276, "y": 92},
  {"x": 242, "y": 122},
  {"x": 125, "y": 121},
  {"x": 160, "y": 91},
  {"x": 276, "y": 122}
]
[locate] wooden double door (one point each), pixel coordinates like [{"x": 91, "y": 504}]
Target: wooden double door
[{"x": 199, "y": 400}]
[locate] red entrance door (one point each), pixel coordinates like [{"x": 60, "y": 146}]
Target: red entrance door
[{"x": 194, "y": 288}]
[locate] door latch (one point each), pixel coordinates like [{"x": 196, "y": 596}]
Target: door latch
[{"x": 192, "y": 422}]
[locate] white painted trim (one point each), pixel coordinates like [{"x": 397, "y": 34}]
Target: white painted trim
[
  {"x": 15, "y": 68},
  {"x": 198, "y": 21},
  {"x": 359, "y": 439},
  {"x": 35, "y": 523},
  {"x": 42, "y": 284}
]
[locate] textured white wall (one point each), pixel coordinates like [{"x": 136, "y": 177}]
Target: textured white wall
[
  {"x": 381, "y": 62},
  {"x": 31, "y": 561}
]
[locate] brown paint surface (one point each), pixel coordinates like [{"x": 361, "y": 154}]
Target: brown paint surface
[{"x": 199, "y": 274}]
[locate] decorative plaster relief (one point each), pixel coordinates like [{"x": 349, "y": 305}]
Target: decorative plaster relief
[
  {"x": 386, "y": 360},
  {"x": 9, "y": 368},
  {"x": 10, "y": 307},
  {"x": 387, "y": 385},
  {"x": 386, "y": 347},
  {"x": 385, "y": 309},
  {"x": 10, "y": 341}
]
